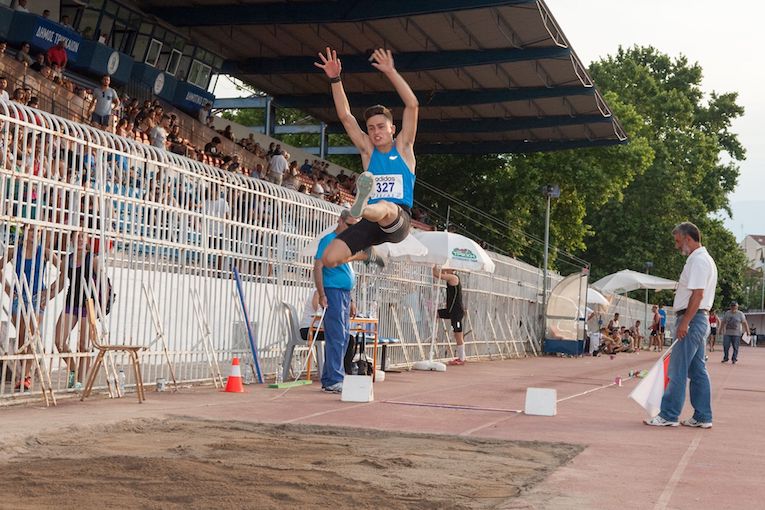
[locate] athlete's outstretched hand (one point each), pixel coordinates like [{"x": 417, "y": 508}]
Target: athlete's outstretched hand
[
  {"x": 330, "y": 64},
  {"x": 382, "y": 60}
]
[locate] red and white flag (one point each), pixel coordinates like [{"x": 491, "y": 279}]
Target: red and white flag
[{"x": 651, "y": 389}]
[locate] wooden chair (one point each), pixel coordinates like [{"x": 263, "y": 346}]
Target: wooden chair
[{"x": 132, "y": 351}]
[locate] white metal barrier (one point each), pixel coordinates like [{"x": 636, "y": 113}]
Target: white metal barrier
[{"x": 81, "y": 207}]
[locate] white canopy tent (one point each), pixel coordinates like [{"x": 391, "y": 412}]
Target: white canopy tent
[
  {"x": 626, "y": 281},
  {"x": 596, "y": 298}
]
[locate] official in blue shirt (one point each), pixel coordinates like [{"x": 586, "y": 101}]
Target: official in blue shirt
[{"x": 334, "y": 286}]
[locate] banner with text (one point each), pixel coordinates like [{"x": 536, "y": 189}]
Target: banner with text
[{"x": 47, "y": 33}]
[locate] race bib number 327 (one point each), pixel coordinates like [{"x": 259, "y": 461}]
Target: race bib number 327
[{"x": 388, "y": 186}]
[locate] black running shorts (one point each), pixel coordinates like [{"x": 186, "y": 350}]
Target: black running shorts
[
  {"x": 457, "y": 320},
  {"x": 365, "y": 233}
]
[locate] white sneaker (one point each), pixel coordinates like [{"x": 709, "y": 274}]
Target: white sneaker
[
  {"x": 692, "y": 422},
  {"x": 658, "y": 421},
  {"x": 335, "y": 388}
]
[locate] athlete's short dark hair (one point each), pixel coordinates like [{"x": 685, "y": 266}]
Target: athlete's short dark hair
[{"x": 378, "y": 109}]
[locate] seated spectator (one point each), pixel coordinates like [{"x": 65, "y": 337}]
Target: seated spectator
[
  {"x": 257, "y": 172},
  {"x": 228, "y": 133},
  {"x": 3, "y": 48},
  {"x": 628, "y": 342},
  {"x": 19, "y": 96},
  {"x": 123, "y": 127},
  {"x": 212, "y": 147},
  {"x": 23, "y": 55},
  {"x": 56, "y": 55},
  {"x": 33, "y": 102},
  {"x": 176, "y": 141},
  {"x": 46, "y": 14},
  {"x": 318, "y": 189},
  {"x": 65, "y": 22},
  {"x": 303, "y": 189},
  {"x": 292, "y": 179},
  {"x": 613, "y": 324},
  {"x": 21, "y": 6},
  {"x": 258, "y": 151},
  {"x": 610, "y": 343},
  {"x": 4, "y": 88},
  {"x": 204, "y": 113},
  {"x": 306, "y": 168},
  {"x": 234, "y": 165},
  {"x": 39, "y": 62},
  {"x": 87, "y": 33}
]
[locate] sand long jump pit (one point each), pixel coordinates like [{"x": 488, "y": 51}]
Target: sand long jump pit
[{"x": 190, "y": 463}]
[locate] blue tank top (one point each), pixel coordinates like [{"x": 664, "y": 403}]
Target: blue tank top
[
  {"x": 26, "y": 266},
  {"x": 394, "y": 181}
]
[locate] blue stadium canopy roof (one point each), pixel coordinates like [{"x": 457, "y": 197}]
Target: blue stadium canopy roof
[{"x": 491, "y": 76}]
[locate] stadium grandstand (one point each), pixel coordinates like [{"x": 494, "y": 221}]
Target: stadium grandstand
[{"x": 162, "y": 199}]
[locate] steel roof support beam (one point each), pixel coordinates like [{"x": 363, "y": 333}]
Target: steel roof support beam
[
  {"x": 497, "y": 147},
  {"x": 457, "y": 125},
  {"x": 495, "y": 125},
  {"x": 427, "y": 98},
  {"x": 508, "y": 147},
  {"x": 240, "y": 103},
  {"x": 291, "y": 13},
  {"x": 405, "y": 62}
]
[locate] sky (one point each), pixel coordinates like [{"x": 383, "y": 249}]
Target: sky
[{"x": 721, "y": 37}]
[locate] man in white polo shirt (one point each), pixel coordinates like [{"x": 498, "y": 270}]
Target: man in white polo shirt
[{"x": 694, "y": 297}]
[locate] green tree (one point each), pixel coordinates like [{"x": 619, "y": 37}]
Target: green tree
[
  {"x": 508, "y": 187},
  {"x": 687, "y": 179}
]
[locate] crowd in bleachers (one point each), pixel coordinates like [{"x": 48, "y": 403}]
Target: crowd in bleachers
[
  {"x": 151, "y": 122},
  {"x": 43, "y": 85}
]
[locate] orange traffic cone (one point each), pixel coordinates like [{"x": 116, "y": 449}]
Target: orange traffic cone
[{"x": 234, "y": 381}]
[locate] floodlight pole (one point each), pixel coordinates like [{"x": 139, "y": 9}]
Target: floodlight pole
[
  {"x": 547, "y": 249},
  {"x": 550, "y": 191}
]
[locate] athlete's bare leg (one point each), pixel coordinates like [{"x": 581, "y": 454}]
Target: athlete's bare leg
[
  {"x": 383, "y": 213},
  {"x": 336, "y": 253}
]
